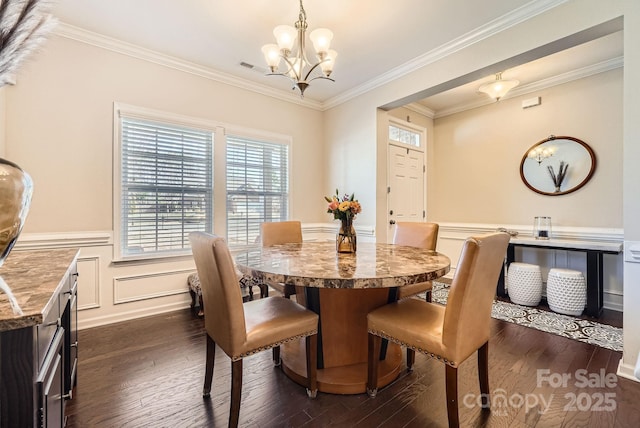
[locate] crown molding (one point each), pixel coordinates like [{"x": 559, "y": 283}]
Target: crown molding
[
  {"x": 502, "y": 23},
  {"x": 539, "y": 85},
  {"x": 421, "y": 109},
  {"x": 119, "y": 46}
]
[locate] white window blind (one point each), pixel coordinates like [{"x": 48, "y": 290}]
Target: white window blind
[
  {"x": 166, "y": 186},
  {"x": 257, "y": 187}
]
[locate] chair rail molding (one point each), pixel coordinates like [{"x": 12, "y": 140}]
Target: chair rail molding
[
  {"x": 39, "y": 241},
  {"x": 463, "y": 230},
  {"x": 152, "y": 287},
  {"x": 327, "y": 231}
]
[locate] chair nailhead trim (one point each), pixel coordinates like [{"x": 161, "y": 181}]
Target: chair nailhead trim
[
  {"x": 415, "y": 348},
  {"x": 273, "y": 345}
]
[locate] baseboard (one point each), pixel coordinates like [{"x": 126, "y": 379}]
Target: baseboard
[
  {"x": 612, "y": 306},
  {"x": 626, "y": 371}
]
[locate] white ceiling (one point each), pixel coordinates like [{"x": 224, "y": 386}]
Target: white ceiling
[
  {"x": 602, "y": 54},
  {"x": 372, "y": 37}
]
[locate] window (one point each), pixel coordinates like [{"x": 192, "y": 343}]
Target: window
[
  {"x": 257, "y": 187},
  {"x": 404, "y": 136},
  {"x": 166, "y": 188}
]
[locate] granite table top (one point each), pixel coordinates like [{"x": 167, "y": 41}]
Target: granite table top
[
  {"x": 35, "y": 278},
  {"x": 316, "y": 264}
]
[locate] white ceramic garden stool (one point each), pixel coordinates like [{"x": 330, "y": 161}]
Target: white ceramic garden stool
[
  {"x": 566, "y": 291},
  {"x": 524, "y": 283}
]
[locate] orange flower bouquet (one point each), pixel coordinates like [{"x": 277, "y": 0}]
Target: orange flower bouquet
[{"x": 344, "y": 209}]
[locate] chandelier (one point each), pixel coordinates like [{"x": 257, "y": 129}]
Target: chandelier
[
  {"x": 498, "y": 88},
  {"x": 539, "y": 153},
  {"x": 296, "y": 64}
]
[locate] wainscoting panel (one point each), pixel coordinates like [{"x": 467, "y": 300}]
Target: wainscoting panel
[
  {"x": 149, "y": 286},
  {"x": 88, "y": 283}
]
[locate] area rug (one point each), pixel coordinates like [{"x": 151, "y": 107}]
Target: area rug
[{"x": 586, "y": 331}]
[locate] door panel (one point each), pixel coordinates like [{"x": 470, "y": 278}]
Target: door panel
[{"x": 406, "y": 187}]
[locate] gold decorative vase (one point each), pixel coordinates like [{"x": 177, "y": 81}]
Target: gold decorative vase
[
  {"x": 346, "y": 241},
  {"x": 16, "y": 188}
]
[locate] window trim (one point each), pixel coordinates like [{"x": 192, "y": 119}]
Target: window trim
[
  {"x": 120, "y": 111},
  {"x": 219, "y": 153},
  {"x": 268, "y": 137},
  {"x": 398, "y": 123}
]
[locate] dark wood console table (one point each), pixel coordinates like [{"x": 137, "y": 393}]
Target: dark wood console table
[{"x": 594, "y": 252}]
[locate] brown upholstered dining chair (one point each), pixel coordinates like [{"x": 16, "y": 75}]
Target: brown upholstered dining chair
[
  {"x": 422, "y": 235},
  {"x": 450, "y": 333},
  {"x": 241, "y": 329},
  {"x": 280, "y": 232}
]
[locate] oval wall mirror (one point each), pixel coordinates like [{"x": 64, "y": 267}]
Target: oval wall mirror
[{"x": 557, "y": 165}]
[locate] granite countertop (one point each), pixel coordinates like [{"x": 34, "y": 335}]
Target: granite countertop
[
  {"x": 316, "y": 264},
  {"x": 34, "y": 277}
]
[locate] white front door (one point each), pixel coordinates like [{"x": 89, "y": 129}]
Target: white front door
[{"x": 406, "y": 190}]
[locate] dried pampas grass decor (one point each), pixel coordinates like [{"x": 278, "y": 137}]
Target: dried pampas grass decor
[{"x": 23, "y": 27}]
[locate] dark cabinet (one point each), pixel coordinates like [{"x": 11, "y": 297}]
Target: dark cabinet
[
  {"x": 39, "y": 348},
  {"x": 69, "y": 305},
  {"x": 49, "y": 385}
]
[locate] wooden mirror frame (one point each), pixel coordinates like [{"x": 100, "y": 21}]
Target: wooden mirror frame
[{"x": 577, "y": 151}]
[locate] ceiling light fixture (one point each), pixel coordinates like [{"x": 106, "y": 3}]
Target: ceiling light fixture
[
  {"x": 295, "y": 60},
  {"x": 498, "y": 88},
  {"x": 539, "y": 154}
]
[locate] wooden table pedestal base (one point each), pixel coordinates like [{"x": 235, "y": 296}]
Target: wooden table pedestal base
[{"x": 351, "y": 379}]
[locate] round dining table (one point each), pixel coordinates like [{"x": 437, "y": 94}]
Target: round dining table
[{"x": 342, "y": 288}]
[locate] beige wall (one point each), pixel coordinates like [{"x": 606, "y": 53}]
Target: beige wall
[
  {"x": 59, "y": 128},
  {"x": 353, "y": 123},
  {"x": 474, "y": 185},
  {"x": 477, "y": 155},
  {"x": 351, "y": 156},
  {"x": 575, "y": 16}
]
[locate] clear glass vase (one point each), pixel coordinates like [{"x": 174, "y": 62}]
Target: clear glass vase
[
  {"x": 346, "y": 241},
  {"x": 542, "y": 227}
]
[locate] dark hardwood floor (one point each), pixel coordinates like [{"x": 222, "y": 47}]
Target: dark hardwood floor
[{"x": 149, "y": 373}]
